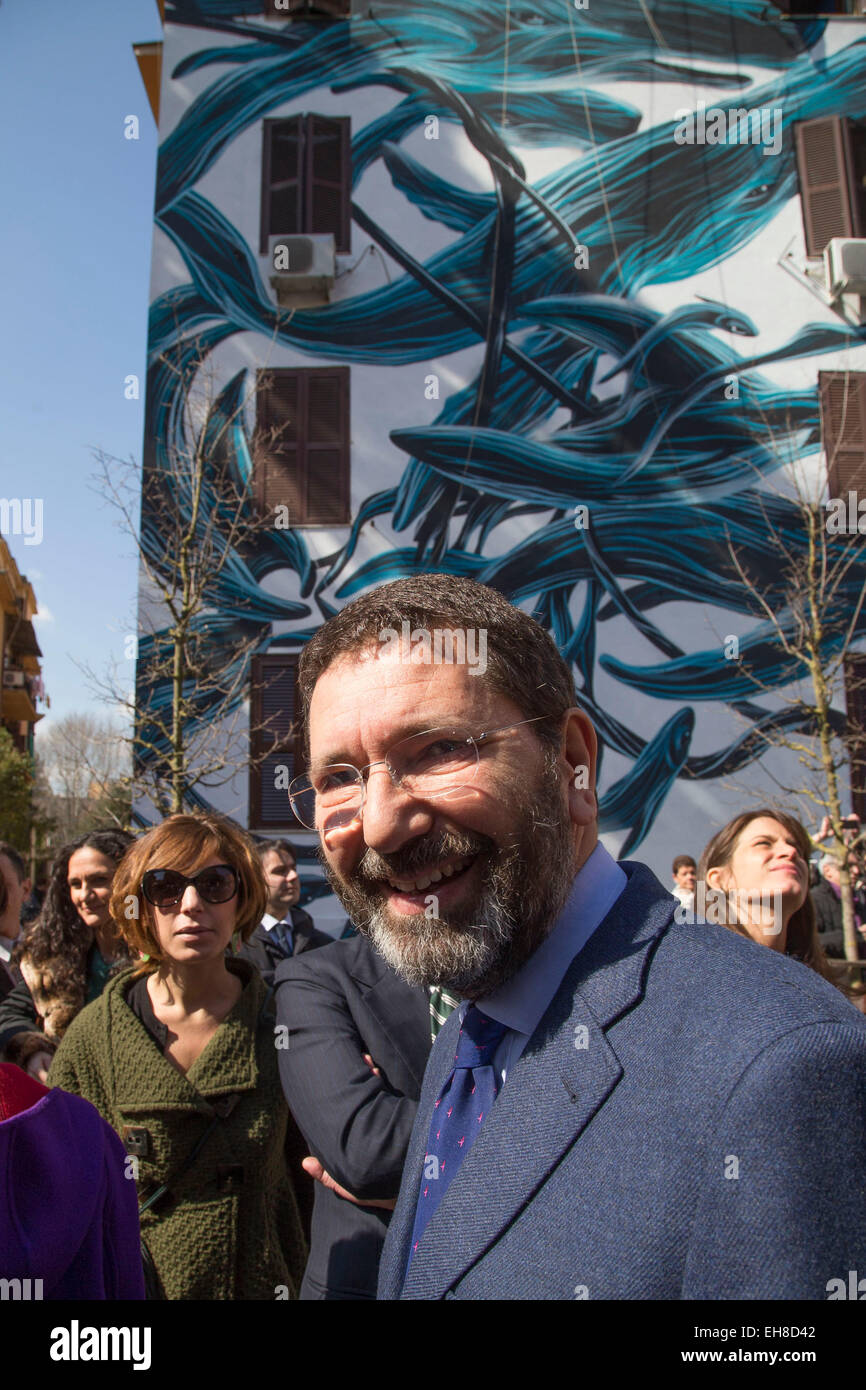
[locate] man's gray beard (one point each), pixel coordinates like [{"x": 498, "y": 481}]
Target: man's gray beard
[{"x": 523, "y": 890}]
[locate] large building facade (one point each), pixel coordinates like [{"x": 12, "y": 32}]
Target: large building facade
[{"x": 535, "y": 294}]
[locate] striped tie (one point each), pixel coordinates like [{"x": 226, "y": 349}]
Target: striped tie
[
  {"x": 283, "y": 934},
  {"x": 442, "y": 1002}
]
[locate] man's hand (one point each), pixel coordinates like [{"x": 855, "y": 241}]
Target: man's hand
[{"x": 314, "y": 1168}]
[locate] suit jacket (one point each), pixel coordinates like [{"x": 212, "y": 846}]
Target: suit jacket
[
  {"x": 686, "y": 1122},
  {"x": 265, "y": 952},
  {"x": 828, "y": 916},
  {"x": 338, "y": 1004},
  {"x": 7, "y": 984}
]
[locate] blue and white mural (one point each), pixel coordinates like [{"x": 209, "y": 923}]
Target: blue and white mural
[{"x": 623, "y": 365}]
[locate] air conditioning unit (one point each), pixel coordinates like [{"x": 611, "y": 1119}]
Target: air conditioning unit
[
  {"x": 845, "y": 266},
  {"x": 302, "y": 263},
  {"x": 13, "y": 680}
]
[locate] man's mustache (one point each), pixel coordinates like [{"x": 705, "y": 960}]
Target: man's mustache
[{"x": 408, "y": 863}]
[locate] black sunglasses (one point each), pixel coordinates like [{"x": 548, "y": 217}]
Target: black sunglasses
[{"x": 166, "y": 887}]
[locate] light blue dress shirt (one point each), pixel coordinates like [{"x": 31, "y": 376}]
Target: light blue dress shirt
[{"x": 523, "y": 1000}]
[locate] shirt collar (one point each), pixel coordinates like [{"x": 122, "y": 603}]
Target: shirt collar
[
  {"x": 269, "y": 922},
  {"x": 523, "y": 1000}
]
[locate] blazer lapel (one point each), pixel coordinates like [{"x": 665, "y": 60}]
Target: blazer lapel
[
  {"x": 565, "y": 1074},
  {"x": 403, "y": 1013},
  {"x": 302, "y": 930}
]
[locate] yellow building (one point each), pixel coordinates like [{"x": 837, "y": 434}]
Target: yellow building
[{"x": 21, "y": 684}]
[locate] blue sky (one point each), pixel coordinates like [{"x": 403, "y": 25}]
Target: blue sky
[{"x": 75, "y": 239}]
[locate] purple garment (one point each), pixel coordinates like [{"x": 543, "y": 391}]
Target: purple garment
[{"x": 68, "y": 1215}]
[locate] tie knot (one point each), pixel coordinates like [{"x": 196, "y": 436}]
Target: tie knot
[{"x": 479, "y": 1038}]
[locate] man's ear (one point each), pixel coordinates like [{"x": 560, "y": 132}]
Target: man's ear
[{"x": 580, "y": 753}]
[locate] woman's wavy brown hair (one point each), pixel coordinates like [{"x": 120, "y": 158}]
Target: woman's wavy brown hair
[
  {"x": 58, "y": 935},
  {"x": 801, "y": 940},
  {"x": 184, "y": 842}
]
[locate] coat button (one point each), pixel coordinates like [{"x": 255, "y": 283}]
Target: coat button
[{"x": 136, "y": 1140}]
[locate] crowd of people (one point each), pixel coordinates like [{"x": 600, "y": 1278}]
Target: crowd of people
[{"x": 261, "y": 1095}]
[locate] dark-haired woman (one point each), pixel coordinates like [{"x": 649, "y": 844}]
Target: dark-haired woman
[
  {"x": 67, "y": 954},
  {"x": 758, "y": 866}
]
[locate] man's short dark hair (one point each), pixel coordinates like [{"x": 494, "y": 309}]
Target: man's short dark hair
[
  {"x": 683, "y": 861},
  {"x": 522, "y": 659},
  {"x": 283, "y": 846},
  {"x": 15, "y": 859}
]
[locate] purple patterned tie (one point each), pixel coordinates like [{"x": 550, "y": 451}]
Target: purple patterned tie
[{"x": 458, "y": 1114}]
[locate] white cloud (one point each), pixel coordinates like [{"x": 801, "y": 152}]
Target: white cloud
[{"x": 43, "y": 616}]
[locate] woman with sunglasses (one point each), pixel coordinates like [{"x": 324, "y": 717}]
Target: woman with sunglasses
[{"x": 179, "y": 1056}]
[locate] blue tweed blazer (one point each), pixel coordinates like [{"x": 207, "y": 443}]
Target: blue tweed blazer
[{"x": 704, "y": 1138}]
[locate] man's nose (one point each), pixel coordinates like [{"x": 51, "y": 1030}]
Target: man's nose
[{"x": 390, "y": 815}]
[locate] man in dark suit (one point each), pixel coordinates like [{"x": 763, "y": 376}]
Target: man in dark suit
[
  {"x": 286, "y": 929},
  {"x": 622, "y": 1106},
  {"x": 356, "y": 1044}
]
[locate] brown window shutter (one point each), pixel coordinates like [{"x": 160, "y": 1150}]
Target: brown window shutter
[
  {"x": 282, "y": 173},
  {"x": 327, "y": 437},
  {"x": 843, "y": 430},
  {"x": 328, "y": 177},
  {"x": 275, "y": 741},
  {"x": 302, "y": 452},
  {"x": 279, "y": 455},
  {"x": 825, "y": 166}
]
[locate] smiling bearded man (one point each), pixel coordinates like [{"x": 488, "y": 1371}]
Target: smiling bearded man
[
  {"x": 484, "y": 941},
  {"x": 582, "y": 1104}
]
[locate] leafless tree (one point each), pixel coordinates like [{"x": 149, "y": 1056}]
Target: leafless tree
[
  {"x": 810, "y": 590},
  {"x": 84, "y": 765},
  {"x": 192, "y": 513}
]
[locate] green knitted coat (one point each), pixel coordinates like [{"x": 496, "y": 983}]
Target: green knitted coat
[{"x": 229, "y": 1227}]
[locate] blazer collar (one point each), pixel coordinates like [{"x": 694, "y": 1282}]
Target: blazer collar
[
  {"x": 565, "y": 1074},
  {"x": 403, "y": 1012}
]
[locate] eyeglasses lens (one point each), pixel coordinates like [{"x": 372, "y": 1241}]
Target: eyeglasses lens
[{"x": 437, "y": 762}]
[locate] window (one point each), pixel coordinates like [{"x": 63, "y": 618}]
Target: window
[
  {"x": 306, "y": 178},
  {"x": 302, "y": 447},
  {"x": 276, "y": 743},
  {"x": 843, "y": 430},
  {"x": 831, "y": 160}
]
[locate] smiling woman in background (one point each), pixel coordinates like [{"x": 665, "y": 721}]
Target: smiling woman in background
[
  {"x": 179, "y": 1056},
  {"x": 760, "y": 861},
  {"x": 66, "y": 955}
]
